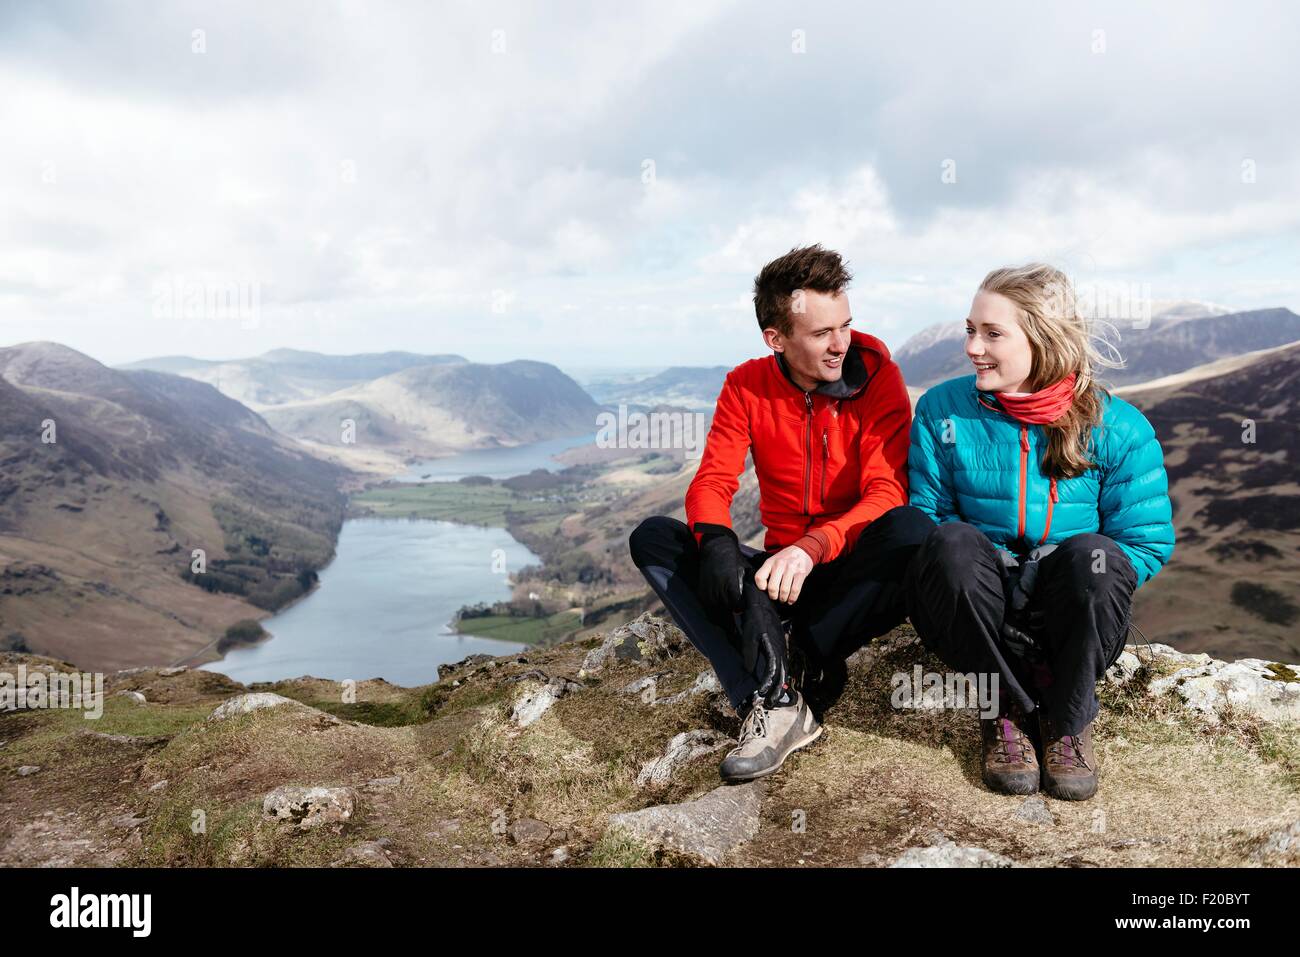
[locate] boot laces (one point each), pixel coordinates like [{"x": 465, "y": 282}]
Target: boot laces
[
  {"x": 1005, "y": 742},
  {"x": 1067, "y": 751},
  {"x": 755, "y": 724}
]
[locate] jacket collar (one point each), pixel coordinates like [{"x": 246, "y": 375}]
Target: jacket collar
[{"x": 850, "y": 383}]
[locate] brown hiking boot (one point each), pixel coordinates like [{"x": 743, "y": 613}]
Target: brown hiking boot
[
  {"x": 1069, "y": 762},
  {"x": 1010, "y": 764}
]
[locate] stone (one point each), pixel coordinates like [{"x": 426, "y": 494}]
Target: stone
[
  {"x": 706, "y": 682},
  {"x": 245, "y": 703},
  {"x": 681, "y": 751},
  {"x": 1250, "y": 685},
  {"x": 535, "y": 702},
  {"x": 645, "y": 639},
  {"x": 473, "y": 661},
  {"x": 1124, "y": 668},
  {"x": 390, "y": 782},
  {"x": 28, "y": 769},
  {"x": 1280, "y": 844},
  {"x": 528, "y": 831},
  {"x": 309, "y": 807},
  {"x": 945, "y": 853},
  {"x": 1034, "y": 810},
  {"x": 705, "y": 829},
  {"x": 172, "y": 672},
  {"x": 158, "y": 786},
  {"x": 559, "y": 855},
  {"x": 365, "y": 854}
]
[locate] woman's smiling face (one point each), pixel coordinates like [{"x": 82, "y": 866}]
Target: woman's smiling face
[{"x": 997, "y": 346}]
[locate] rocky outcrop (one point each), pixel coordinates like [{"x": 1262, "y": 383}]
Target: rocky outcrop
[
  {"x": 536, "y": 701},
  {"x": 706, "y": 829},
  {"x": 509, "y": 762},
  {"x": 246, "y": 703},
  {"x": 644, "y": 640},
  {"x": 682, "y": 750}
]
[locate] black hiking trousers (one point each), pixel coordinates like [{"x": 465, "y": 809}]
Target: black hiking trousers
[
  {"x": 843, "y": 604},
  {"x": 955, "y": 595}
]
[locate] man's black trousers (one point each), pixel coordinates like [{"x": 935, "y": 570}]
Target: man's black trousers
[{"x": 843, "y": 604}]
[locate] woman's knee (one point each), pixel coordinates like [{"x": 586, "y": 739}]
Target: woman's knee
[
  {"x": 1095, "y": 563},
  {"x": 953, "y": 542}
]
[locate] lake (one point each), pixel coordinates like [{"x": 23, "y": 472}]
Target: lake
[
  {"x": 383, "y": 605},
  {"x": 495, "y": 463}
]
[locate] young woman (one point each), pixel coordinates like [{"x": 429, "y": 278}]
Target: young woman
[{"x": 1051, "y": 507}]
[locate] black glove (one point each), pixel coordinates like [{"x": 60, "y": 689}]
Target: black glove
[
  {"x": 763, "y": 634},
  {"x": 721, "y": 568},
  {"x": 1022, "y": 626}
]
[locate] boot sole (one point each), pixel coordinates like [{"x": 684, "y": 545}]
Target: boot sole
[
  {"x": 737, "y": 779},
  {"x": 1019, "y": 785},
  {"x": 1070, "y": 792}
]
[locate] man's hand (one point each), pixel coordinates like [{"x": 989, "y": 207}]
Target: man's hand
[
  {"x": 721, "y": 568},
  {"x": 782, "y": 575}
]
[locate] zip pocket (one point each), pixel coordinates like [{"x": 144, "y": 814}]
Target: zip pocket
[{"x": 826, "y": 454}]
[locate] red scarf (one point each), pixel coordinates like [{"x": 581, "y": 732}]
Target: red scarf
[{"x": 1045, "y": 405}]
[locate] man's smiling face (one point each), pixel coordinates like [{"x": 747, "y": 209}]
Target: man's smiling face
[{"x": 818, "y": 340}]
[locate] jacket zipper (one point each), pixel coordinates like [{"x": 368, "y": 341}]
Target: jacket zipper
[
  {"x": 1052, "y": 497},
  {"x": 825, "y": 459},
  {"x": 807, "y": 460},
  {"x": 1024, "y": 467},
  {"x": 1051, "y": 500}
]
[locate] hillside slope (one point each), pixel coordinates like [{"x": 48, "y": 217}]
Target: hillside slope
[
  {"x": 558, "y": 757},
  {"x": 1232, "y": 443},
  {"x": 97, "y": 527}
]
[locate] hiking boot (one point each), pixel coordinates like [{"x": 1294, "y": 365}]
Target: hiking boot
[
  {"x": 1069, "y": 762},
  {"x": 1010, "y": 764},
  {"x": 767, "y": 737}
]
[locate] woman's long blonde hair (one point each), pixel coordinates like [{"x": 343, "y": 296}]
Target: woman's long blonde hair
[{"x": 1061, "y": 341}]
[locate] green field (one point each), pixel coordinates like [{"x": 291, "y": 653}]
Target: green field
[
  {"x": 448, "y": 502},
  {"x": 526, "y": 631}
]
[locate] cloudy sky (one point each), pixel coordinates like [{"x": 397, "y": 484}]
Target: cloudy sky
[{"x": 596, "y": 183}]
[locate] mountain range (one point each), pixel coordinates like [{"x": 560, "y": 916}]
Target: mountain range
[
  {"x": 1178, "y": 337},
  {"x": 401, "y": 406}
]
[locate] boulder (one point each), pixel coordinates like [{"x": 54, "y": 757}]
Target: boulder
[
  {"x": 309, "y": 807},
  {"x": 645, "y": 639},
  {"x": 705, "y": 829},
  {"x": 244, "y": 703},
  {"x": 945, "y": 853},
  {"x": 1266, "y": 689},
  {"x": 536, "y": 701}
]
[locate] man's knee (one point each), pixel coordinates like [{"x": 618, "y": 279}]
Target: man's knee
[
  {"x": 656, "y": 539},
  {"x": 904, "y": 525}
]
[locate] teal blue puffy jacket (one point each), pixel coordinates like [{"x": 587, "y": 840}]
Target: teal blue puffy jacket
[{"x": 975, "y": 464}]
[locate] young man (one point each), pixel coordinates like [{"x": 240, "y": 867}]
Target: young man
[{"x": 827, "y": 419}]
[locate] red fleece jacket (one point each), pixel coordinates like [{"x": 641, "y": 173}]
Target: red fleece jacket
[{"x": 829, "y": 462}]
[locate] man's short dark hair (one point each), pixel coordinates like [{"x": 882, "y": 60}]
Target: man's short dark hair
[{"x": 810, "y": 267}]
